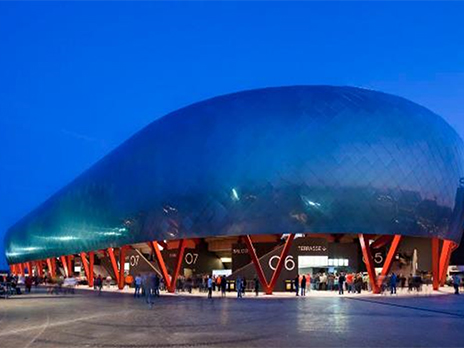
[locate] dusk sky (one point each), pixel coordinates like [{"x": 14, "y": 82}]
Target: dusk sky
[{"x": 77, "y": 79}]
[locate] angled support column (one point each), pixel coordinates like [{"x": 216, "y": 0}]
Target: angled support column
[
  {"x": 369, "y": 263},
  {"x": 91, "y": 272},
  {"x": 268, "y": 287},
  {"x": 280, "y": 264},
  {"x": 64, "y": 262},
  {"x": 13, "y": 269},
  {"x": 389, "y": 259},
  {"x": 122, "y": 261},
  {"x": 169, "y": 281},
  {"x": 435, "y": 263},
  {"x": 29, "y": 268},
  {"x": 118, "y": 271},
  {"x": 21, "y": 269},
  {"x": 88, "y": 267},
  {"x": 114, "y": 263},
  {"x": 180, "y": 258},
  {"x": 446, "y": 250},
  {"x": 70, "y": 265},
  {"x": 51, "y": 263},
  {"x": 155, "y": 247},
  {"x": 39, "y": 267}
]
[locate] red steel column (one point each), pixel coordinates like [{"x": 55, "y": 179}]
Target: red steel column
[
  {"x": 255, "y": 260},
  {"x": 70, "y": 265},
  {"x": 122, "y": 260},
  {"x": 369, "y": 264},
  {"x": 21, "y": 268},
  {"x": 435, "y": 263},
  {"x": 91, "y": 263},
  {"x": 180, "y": 258},
  {"x": 39, "y": 266},
  {"x": 389, "y": 260},
  {"x": 86, "y": 266},
  {"x": 159, "y": 257},
  {"x": 280, "y": 264},
  {"x": 51, "y": 263},
  {"x": 444, "y": 260},
  {"x": 114, "y": 263},
  {"x": 64, "y": 262},
  {"x": 29, "y": 268}
]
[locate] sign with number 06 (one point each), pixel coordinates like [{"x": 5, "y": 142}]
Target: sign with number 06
[{"x": 289, "y": 262}]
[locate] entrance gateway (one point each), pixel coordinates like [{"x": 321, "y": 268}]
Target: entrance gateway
[{"x": 307, "y": 255}]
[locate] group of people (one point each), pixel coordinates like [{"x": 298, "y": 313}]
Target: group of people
[
  {"x": 221, "y": 284},
  {"x": 350, "y": 282},
  {"x": 147, "y": 285},
  {"x": 357, "y": 282},
  {"x": 11, "y": 285}
]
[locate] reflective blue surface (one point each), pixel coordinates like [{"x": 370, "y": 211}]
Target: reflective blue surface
[{"x": 290, "y": 159}]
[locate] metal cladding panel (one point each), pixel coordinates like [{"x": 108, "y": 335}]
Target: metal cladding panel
[{"x": 290, "y": 159}]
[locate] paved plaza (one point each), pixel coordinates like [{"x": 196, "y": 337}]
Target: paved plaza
[{"x": 118, "y": 320}]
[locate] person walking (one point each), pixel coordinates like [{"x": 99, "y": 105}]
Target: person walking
[
  {"x": 341, "y": 281},
  {"x": 156, "y": 284},
  {"x": 393, "y": 281},
  {"x": 223, "y": 286},
  {"x": 239, "y": 285},
  {"x": 210, "y": 287},
  {"x": 349, "y": 282},
  {"x": 28, "y": 284},
  {"x": 456, "y": 283},
  {"x": 138, "y": 285},
  {"x": 303, "y": 286},
  {"x": 152, "y": 286},
  {"x": 99, "y": 284},
  {"x": 296, "y": 283},
  {"x": 256, "y": 285},
  {"x": 147, "y": 289}
]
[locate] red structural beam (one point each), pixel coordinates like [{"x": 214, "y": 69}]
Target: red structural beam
[
  {"x": 180, "y": 258},
  {"x": 88, "y": 267},
  {"x": 389, "y": 259},
  {"x": 39, "y": 267},
  {"x": 164, "y": 271},
  {"x": 280, "y": 264},
  {"x": 122, "y": 260},
  {"x": 255, "y": 260},
  {"x": 268, "y": 287},
  {"x": 91, "y": 272},
  {"x": 64, "y": 262},
  {"x": 446, "y": 251},
  {"x": 70, "y": 265},
  {"x": 85, "y": 264},
  {"x": 381, "y": 242},
  {"x": 21, "y": 269},
  {"x": 118, "y": 271},
  {"x": 369, "y": 263},
  {"x": 51, "y": 263},
  {"x": 29, "y": 268},
  {"x": 114, "y": 263},
  {"x": 435, "y": 263}
]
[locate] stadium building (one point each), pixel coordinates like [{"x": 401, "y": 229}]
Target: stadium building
[{"x": 272, "y": 182}]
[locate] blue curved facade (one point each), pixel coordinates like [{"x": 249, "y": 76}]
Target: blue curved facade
[{"x": 303, "y": 159}]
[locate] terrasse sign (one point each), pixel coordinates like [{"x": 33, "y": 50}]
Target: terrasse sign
[{"x": 311, "y": 246}]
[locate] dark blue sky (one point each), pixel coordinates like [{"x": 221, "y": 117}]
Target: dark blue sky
[{"x": 77, "y": 79}]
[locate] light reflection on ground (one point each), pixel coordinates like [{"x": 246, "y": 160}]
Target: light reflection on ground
[{"x": 119, "y": 320}]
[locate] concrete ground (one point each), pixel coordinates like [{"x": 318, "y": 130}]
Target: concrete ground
[{"x": 118, "y": 320}]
